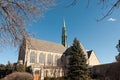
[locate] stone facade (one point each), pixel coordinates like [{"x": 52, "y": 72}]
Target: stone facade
[
  {"x": 48, "y": 59},
  {"x": 44, "y": 61}
]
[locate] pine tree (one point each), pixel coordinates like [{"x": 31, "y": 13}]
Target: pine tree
[
  {"x": 20, "y": 68},
  {"x": 78, "y": 69}
]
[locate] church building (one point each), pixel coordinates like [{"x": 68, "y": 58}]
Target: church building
[{"x": 47, "y": 59}]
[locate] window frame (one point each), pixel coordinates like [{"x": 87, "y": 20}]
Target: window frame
[
  {"x": 32, "y": 57},
  {"x": 41, "y": 58},
  {"x": 49, "y": 59}
]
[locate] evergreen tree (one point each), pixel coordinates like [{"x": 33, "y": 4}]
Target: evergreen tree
[
  {"x": 78, "y": 69},
  {"x": 9, "y": 68},
  {"x": 20, "y": 68}
]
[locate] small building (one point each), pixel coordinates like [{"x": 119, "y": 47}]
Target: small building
[{"x": 109, "y": 71}]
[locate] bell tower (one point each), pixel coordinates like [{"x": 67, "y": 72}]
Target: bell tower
[{"x": 64, "y": 35}]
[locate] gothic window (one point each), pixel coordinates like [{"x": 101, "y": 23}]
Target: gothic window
[
  {"x": 41, "y": 58},
  {"x": 49, "y": 59},
  {"x": 37, "y": 72},
  {"x": 56, "y": 60},
  {"x": 32, "y": 57}
]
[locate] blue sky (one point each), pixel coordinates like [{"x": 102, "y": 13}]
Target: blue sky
[{"x": 81, "y": 23}]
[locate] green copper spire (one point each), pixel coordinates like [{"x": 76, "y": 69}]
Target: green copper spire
[{"x": 64, "y": 35}]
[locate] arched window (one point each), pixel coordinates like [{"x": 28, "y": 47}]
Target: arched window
[
  {"x": 41, "y": 58},
  {"x": 37, "y": 72},
  {"x": 49, "y": 59},
  {"x": 56, "y": 60},
  {"x": 32, "y": 57}
]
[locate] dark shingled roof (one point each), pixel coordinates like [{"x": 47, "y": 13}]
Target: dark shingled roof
[
  {"x": 89, "y": 53},
  {"x": 42, "y": 45},
  {"x": 67, "y": 51}
]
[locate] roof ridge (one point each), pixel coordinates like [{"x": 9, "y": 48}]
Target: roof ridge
[
  {"x": 47, "y": 46},
  {"x": 46, "y": 41}
]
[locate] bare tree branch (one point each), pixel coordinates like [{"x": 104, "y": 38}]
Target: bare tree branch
[
  {"x": 73, "y": 3},
  {"x": 110, "y": 11},
  {"x": 14, "y": 14}
]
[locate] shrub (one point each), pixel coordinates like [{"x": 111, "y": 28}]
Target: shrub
[
  {"x": 19, "y": 76},
  {"x": 54, "y": 78}
]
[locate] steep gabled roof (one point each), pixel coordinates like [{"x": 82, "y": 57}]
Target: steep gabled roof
[
  {"x": 88, "y": 52},
  {"x": 91, "y": 54},
  {"x": 42, "y": 45},
  {"x": 69, "y": 49}
]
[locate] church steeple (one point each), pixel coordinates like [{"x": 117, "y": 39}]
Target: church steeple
[{"x": 64, "y": 35}]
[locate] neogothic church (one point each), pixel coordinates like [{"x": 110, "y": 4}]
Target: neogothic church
[{"x": 49, "y": 58}]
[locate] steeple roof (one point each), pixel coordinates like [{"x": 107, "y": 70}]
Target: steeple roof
[
  {"x": 64, "y": 35},
  {"x": 64, "y": 23}
]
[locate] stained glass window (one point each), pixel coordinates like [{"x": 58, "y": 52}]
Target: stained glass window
[
  {"x": 37, "y": 72},
  {"x": 32, "y": 57},
  {"x": 56, "y": 60},
  {"x": 49, "y": 60},
  {"x": 41, "y": 58}
]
